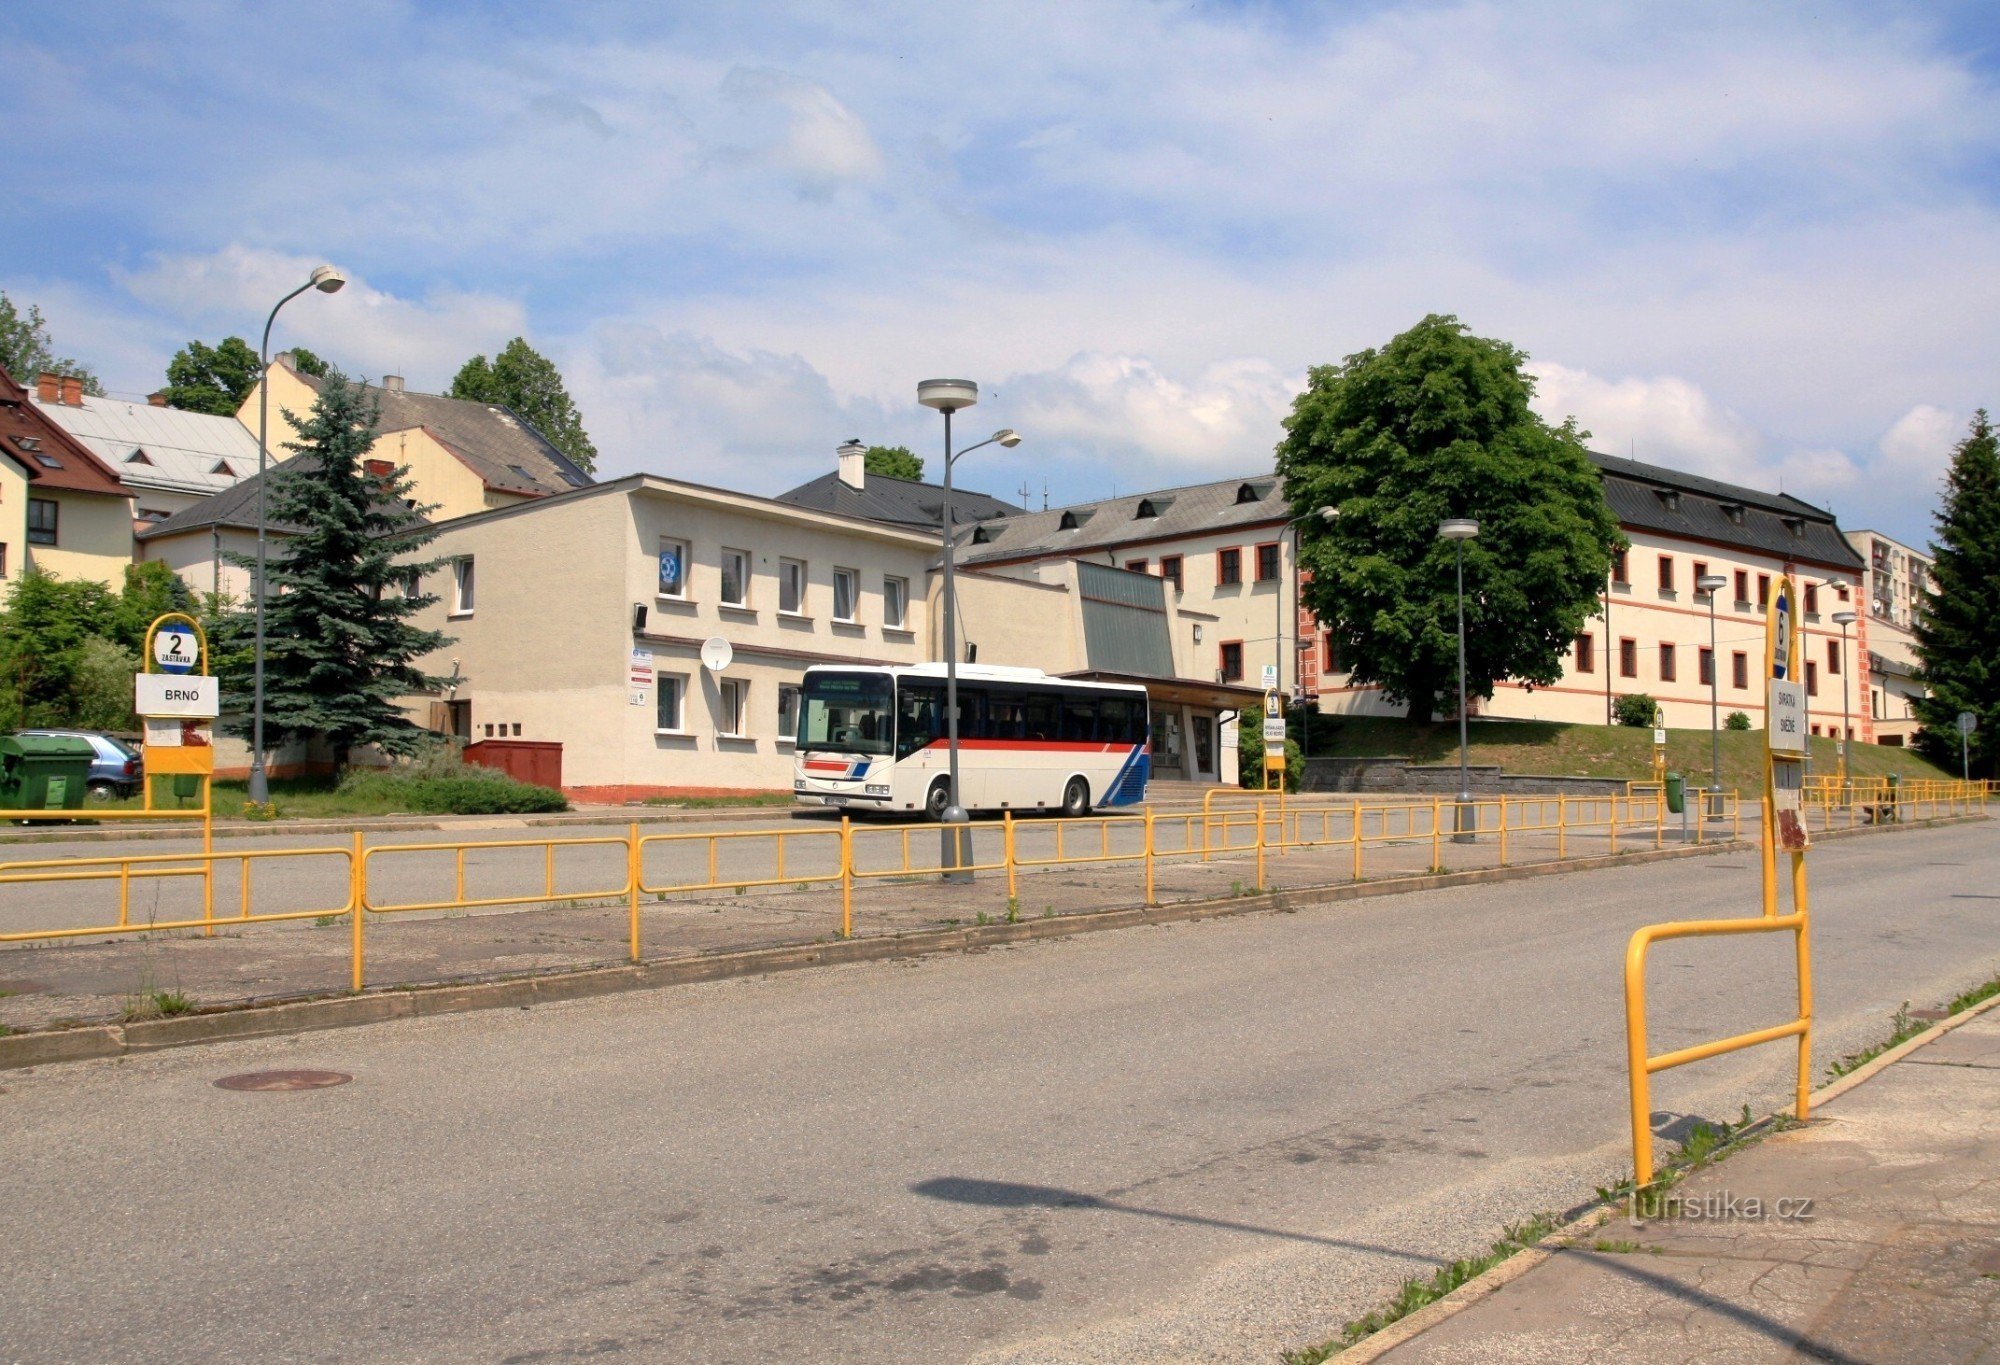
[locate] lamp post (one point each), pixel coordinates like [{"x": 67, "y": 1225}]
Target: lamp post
[
  {"x": 1458, "y": 530},
  {"x": 1843, "y": 619},
  {"x": 327, "y": 280},
  {"x": 949, "y": 396},
  {"x": 1708, "y": 585},
  {"x": 1328, "y": 515}
]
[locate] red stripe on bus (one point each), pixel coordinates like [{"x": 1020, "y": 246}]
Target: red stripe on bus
[{"x": 1039, "y": 745}]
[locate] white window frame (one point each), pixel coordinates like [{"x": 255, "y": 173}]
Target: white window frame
[
  {"x": 728, "y": 716},
  {"x": 853, "y": 578},
  {"x": 742, "y": 598},
  {"x": 686, "y": 551},
  {"x": 679, "y": 683},
  {"x": 794, "y": 692},
  {"x": 464, "y": 576},
  {"x": 785, "y": 568},
  {"x": 900, "y": 621}
]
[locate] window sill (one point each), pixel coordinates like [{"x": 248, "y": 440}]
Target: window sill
[
  {"x": 735, "y": 739},
  {"x": 784, "y": 615},
  {"x": 673, "y": 734},
  {"x": 900, "y": 632},
  {"x": 851, "y": 627},
  {"x": 785, "y": 742},
  {"x": 737, "y": 609},
  {"x": 458, "y": 616},
  {"x": 1741, "y": 605},
  {"x": 664, "y": 600},
  {"x": 1669, "y": 595},
  {"x": 1621, "y": 587}
]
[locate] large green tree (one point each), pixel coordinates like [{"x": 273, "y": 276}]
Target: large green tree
[
  {"x": 339, "y": 647},
  {"x": 1958, "y": 632},
  {"x": 26, "y": 350},
  {"x": 522, "y": 378},
  {"x": 897, "y": 462},
  {"x": 1438, "y": 424},
  {"x": 212, "y": 379}
]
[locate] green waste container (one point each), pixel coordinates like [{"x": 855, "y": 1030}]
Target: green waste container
[
  {"x": 1676, "y": 793},
  {"x": 44, "y": 772}
]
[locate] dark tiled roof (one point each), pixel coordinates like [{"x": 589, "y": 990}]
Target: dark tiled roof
[
  {"x": 493, "y": 441},
  {"x": 1194, "y": 510},
  {"x": 52, "y": 457},
  {"x": 235, "y": 506},
  {"x": 1650, "y": 498},
  {"x": 900, "y": 502}
]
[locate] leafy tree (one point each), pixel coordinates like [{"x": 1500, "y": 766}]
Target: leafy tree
[
  {"x": 339, "y": 649},
  {"x": 897, "y": 462},
  {"x": 42, "y": 634},
  {"x": 212, "y": 379},
  {"x": 305, "y": 362},
  {"x": 26, "y": 350},
  {"x": 1958, "y": 633},
  {"x": 522, "y": 378},
  {"x": 1437, "y": 424},
  {"x": 102, "y": 695},
  {"x": 151, "y": 591}
]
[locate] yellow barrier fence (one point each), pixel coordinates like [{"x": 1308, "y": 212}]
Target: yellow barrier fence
[{"x": 142, "y": 870}]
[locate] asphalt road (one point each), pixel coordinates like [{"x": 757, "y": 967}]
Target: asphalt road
[{"x": 1204, "y": 1142}]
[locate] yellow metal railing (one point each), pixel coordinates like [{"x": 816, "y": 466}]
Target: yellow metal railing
[{"x": 143, "y": 869}]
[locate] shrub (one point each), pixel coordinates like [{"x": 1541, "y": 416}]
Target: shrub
[
  {"x": 1636, "y": 709},
  {"x": 1250, "y": 753},
  {"x": 1736, "y": 721},
  {"x": 438, "y": 782}
]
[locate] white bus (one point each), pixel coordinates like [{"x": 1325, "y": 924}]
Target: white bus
[{"x": 874, "y": 739}]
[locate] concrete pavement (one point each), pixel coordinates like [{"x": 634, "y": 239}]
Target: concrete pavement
[
  {"x": 1209, "y": 1142},
  {"x": 1872, "y": 1235}
]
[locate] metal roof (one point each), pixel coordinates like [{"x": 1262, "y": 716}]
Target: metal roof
[
  {"x": 163, "y": 448},
  {"x": 1192, "y": 510},
  {"x": 1651, "y": 498},
  {"x": 51, "y": 456},
  {"x": 901, "y": 502}
]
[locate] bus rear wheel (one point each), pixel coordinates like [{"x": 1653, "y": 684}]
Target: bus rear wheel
[
  {"x": 936, "y": 800},
  {"x": 1076, "y": 798}
]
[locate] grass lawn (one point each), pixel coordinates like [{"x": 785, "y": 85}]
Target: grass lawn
[
  {"x": 1599, "y": 751},
  {"x": 301, "y": 798}
]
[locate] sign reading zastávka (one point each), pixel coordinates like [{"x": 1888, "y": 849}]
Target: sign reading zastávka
[
  {"x": 176, "y": 649},
  {"x": 1785, "y": 720}
]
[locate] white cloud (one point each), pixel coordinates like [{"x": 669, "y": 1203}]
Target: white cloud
[
  {"x": 1664, "y": 420},
  {"x": 1919, "y": 443},
  {"x": 819, "y": 141}
]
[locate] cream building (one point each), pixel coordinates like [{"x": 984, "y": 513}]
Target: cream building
[
  {"x": 62, "y": 510},
  {"x": 581, "y": 620},
  {"x": 1898, "y": 587}
]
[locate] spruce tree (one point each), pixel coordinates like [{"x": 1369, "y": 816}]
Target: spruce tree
[
  {"x": 1958, "y": 627},
  {"x": 339, "y": 649}
]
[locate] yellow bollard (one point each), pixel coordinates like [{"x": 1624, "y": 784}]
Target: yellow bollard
[
  {"x": 847, "y": 873},
  {"x": 1151, "y": 899},
  {"x": 1007, "y": 848},
  {"x": 357, "y": 895},
  {"x": 1358, "y": 813},
  {"x": 1503, "y": 831},
  {"x": 1260, "y": 845},
  {"x": 1614, "y": 825},
  {"x": 1562, "y": 828},
  {"x": 634, "y": 867},
  {"x": 1437, "y": 833}
]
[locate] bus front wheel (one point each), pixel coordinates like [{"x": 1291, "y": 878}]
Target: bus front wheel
[
  {"x": 936, "y": 800},
  {"x": 1076, "y": 798}
]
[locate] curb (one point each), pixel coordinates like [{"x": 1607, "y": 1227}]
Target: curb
[
  {"x": 1379, "y": 1344},
  {"x": 93, "y": 1041}
]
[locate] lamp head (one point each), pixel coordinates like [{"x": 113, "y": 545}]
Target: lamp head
[
  {"x": 1843, "y": 618},
  {"x": 327, "y": 279},
  {"x": 1458, "y": 528},
  {"x": 1007, "y": 437},
  {"x": 1329, "y": 515},
  {"x": 947, "y": 395},
  {"x": 1710, "y": 583}
]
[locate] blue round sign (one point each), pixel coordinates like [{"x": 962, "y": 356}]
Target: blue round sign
[{"x": 176, "y": 650}]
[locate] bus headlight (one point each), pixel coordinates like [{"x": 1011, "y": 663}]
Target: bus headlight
[
  {"x": 877, "y": 790},
  {"x": 798, "y": 784}
]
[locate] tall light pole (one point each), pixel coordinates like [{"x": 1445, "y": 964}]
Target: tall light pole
[
  {"x": 1328, "y": 515},
  {"x": 327, "y": 280},
  {"x": 1843, "y": 619},
  {"x": 949, "y": 396},
  {"x": 1708, "y": 585},
  {"x": 1458, "y": 530}
]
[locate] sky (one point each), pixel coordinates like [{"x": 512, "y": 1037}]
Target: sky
[{"x": 1757, "y": 242}]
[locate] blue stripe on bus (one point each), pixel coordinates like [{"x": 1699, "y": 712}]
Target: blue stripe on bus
[{"x": 1129, "y": 787}]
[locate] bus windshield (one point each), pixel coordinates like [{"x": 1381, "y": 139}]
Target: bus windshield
[{"x": 850, "y": 712}]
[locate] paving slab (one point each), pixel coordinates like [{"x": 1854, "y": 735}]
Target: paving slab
[{"x": 1870, "y": 1235}]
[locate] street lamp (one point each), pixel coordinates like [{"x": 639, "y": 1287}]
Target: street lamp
[
  {"x": 949, "y": 396},
  {"x": 1458, "y": 530},
  {"x": 1843, "y": 619},
  {"x": 327, "y": 280},
  {"x": 1329, "y": 515},
  {"x": 1708, "y": 585}
]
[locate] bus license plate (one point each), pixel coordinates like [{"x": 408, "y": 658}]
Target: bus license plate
[{"x": 836, "y": 800}]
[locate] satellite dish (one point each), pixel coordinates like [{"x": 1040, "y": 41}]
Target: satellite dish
[{"x": 716, "y": 654}]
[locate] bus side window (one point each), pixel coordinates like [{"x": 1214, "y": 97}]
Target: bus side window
[
  {"x": 1003, "y": 715},
  {"x": 1079, "y": 719},
  {"x": 1044, "y": 716},
  {"x": 1114, "y": 720}
]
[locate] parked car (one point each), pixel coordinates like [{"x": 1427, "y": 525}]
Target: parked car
[{"x": 117, "y": 770}]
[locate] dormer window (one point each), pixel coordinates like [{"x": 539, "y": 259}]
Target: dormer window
[
  {"x": 982, "y": 536},
  {"x": 1796, "y": 525},
  {"x": 1248, "y": 492},
  {"x": 224, "y": 468},
  {"x": 138, "y": 456},
  {"x": 1734, "y": 511},
  {"x": 31, "y": 444},
  {"x": 1146, "y": 509},
  {"x": 1670, "y": 498},
  {"x": 1069, "y": 522}
]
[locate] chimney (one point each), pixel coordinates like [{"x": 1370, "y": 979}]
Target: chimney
[
  {"x": 157, "y": 398},
  {"x": 48, "y": 387},
  {"x": 72, "y": 391},
  {"x": 392, "y": 383},
  {"x": 853, "y": 463}
]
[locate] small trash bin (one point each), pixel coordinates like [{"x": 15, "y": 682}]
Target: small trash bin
[
  {"x": 1676, "y": 793},
  {"x": 1893, "y": 812},
  {"x": 187, "y": 786},
  {"x": 44, "y": 772}
]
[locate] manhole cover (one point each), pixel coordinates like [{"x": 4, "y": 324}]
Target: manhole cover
[{"x": 283, "y": 1080}]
